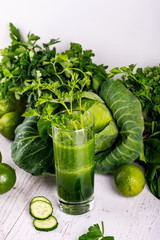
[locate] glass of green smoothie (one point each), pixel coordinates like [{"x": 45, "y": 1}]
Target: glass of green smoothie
[{"x": 74, "y": 162}]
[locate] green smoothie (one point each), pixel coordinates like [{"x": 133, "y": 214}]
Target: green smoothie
[{"x": 74, "y": 170}]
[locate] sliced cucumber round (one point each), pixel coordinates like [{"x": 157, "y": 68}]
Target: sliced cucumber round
[
  {"x": 41, "y": 209},
  {"x": 48, "y": 224},
  {"x": 40, "y": 198}
]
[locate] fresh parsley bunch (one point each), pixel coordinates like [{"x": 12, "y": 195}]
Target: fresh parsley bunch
[
  {"x": 31, "y": 70},
  {"x": 144, "y": 83},
  {"x": 21, "y": 63},
  {"x": 24, "y": 62}
]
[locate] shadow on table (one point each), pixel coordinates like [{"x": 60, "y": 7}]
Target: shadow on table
[{"x": 49, "y": 180}]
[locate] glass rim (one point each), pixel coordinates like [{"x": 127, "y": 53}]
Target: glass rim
[{"x": 78, "y": 130}]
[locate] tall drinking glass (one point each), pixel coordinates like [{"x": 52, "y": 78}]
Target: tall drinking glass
[{"x": 74, "y": 163}]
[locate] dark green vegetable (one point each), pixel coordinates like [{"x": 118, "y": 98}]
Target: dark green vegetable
[
  {"x": 126, "y": 110},
  {"x": 30, "y": 152},
  {"x": 152, "y": 150},
  {"x": 152, "y": 164},
  {"x": 95, "y": 233}
]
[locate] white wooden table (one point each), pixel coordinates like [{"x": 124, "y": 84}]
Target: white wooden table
[{"x": 136, "y": 218}]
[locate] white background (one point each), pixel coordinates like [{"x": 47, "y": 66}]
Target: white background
[{"x": 120, "y": 32}]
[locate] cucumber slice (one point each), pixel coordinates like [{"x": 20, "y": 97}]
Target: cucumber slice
[
  {"x": 41, "y": 209},
  {"x": 40, "y": 198},
  {"x": 48, "y": 224}
]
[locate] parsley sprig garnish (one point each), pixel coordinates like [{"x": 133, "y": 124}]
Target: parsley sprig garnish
[
  {"x": 95, "y": 233},
  {"x": 62, "y": 90}
]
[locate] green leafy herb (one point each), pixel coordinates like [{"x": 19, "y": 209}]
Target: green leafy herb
[
  {"x": 152, "y": 157},
  {"x": 44, "y": 75},
  {"x": 22, "y": 63},
  {"x": 69, "y": 84},
  {"x": 61, "y": 91},
  {"x": 145, "y": 85},
  {"x": 95, "y": 233},
  {"x": 25, "y": 66}
]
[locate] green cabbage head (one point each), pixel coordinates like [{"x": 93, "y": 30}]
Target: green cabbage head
[{"x": 106, "y": 130}]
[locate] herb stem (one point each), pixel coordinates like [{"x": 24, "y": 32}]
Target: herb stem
[
  {"x": 69, "y": 112},
  {"x": 78, "y": 70},
  {"x": 80, "y": 106},
  {"x": 102, "y": 227},
  {"x": 65, "y": 106},
  {"x": 59, "y": 78},
  {"x": 57, "y": 74}
]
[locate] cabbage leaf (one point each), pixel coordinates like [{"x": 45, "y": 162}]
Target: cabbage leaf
[
  {"x": 126, "y": 111},
  {"x": 30, "y": 151}
]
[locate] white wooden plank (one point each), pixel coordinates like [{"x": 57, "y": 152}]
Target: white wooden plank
[{"x": 124, "y": 218}]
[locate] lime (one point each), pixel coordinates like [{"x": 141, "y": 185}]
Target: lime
[
  {"x": 6, "y": 106},
  {"x": 7, "y": 177},
  {"x": 129, "y": 180},
  {"x": 10, "y": 104},
  {"x": 8, "y": 123}
]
